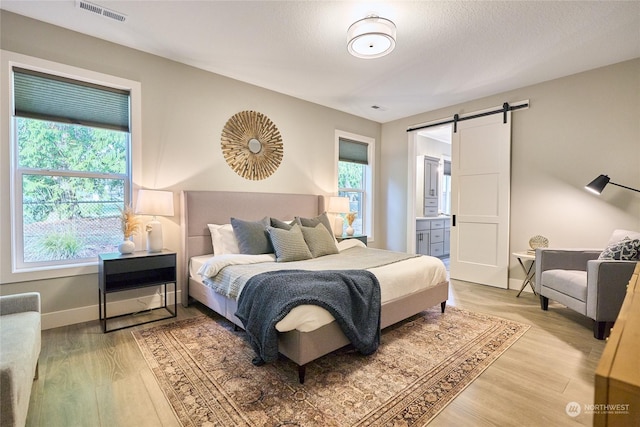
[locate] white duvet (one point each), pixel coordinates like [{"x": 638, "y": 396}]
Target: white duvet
[{"x": 396, "y": 280}]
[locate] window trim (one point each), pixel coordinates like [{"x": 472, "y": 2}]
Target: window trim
[
  {"x": 370, "y": 176},
  {"x": 8, "y": 60}
]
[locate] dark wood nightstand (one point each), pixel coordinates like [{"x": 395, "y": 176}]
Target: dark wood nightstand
[
  {"x": 360, "y": 237},
  {"x": 141, "y": 269}
]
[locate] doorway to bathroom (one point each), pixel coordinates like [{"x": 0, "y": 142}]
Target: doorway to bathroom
[{"x": 433, "y": 192}]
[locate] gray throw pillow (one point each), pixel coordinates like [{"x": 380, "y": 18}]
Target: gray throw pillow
[
  {"x": 626, "y": 249},
  {"x": 252, "y": 236},
  {"x": 289, "y": 245},
  {"x": 320, "y": 243},
  {"x": 312, "y": 222},
  {"x": 282, "y": 224}
]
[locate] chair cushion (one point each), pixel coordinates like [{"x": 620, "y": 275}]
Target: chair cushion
[{"x": 568, "y": 282}]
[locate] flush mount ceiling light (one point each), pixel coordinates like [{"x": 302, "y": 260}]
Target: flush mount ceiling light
[{"x": 371, "y": 37}]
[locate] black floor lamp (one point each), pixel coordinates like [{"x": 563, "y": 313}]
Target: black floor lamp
[{"x": 597, "y": 185}]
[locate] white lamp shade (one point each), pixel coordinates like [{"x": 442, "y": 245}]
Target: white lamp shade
[
  {"x": 338, "y": 205},
  {"x": 371, "y": 37},
  {"x": 155, "y": 202}
]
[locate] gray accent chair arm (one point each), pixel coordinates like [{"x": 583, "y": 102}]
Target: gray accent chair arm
[
  {"x": 10, "y": 304},
  {"x": 607, "y": 282}
]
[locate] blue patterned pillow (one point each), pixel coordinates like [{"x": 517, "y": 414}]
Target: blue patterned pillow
[{"x": 626, "y": 249}]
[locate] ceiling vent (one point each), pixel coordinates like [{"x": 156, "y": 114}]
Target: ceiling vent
[{"x": 99, "y": 10}]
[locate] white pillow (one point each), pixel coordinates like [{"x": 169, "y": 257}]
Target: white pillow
[
  {"x": 621, "y": 234},
  {"x": 223, "y": 239}
]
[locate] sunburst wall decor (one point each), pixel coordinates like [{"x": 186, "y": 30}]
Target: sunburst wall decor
[{"x": 252, "y": 145}]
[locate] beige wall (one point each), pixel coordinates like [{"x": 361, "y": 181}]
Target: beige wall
[
  {"x": 576, "y": 128},
  {"x": 183, "y": 112}
]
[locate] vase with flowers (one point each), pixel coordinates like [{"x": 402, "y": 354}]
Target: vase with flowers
[
  {"x": 351, "y": 216},
  {"x": 130, "y": 225}
]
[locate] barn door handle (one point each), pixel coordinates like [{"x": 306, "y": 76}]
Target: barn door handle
[{"x": 453, "y": 221}]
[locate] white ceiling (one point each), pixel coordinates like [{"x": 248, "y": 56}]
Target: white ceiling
[{"x": 447, "y": 52}]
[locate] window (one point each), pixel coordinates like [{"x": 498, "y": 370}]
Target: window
[
  {"x": 71, "y": 168},
  {"x": 355, "y": 179}
]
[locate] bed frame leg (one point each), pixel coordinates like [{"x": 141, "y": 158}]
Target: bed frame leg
[
  {"x": 443, "y": 304},
  {"x": 301, "y": 371}
]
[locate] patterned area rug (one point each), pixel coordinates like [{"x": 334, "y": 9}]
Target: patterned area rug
[{"x": 204, "y": 368}]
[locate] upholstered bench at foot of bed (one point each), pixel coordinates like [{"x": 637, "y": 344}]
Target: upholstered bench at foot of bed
[{"x": 20, "y": 341}]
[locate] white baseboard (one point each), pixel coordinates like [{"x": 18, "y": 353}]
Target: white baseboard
[{"x": 86, "y": 314}]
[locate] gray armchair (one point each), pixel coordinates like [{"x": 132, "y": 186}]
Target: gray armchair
[{"x": 582, "y": 282}]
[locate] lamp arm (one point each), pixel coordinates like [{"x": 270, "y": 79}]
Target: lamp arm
[{"x": 624, "y": 186}]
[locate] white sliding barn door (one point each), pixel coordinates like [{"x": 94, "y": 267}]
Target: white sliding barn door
[{"x": 480, "y": 189}]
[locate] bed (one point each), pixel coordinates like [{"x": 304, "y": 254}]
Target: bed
[{"x": 302, "y": 344}]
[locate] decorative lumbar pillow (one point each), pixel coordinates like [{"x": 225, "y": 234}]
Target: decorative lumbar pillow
[
  {"x": 252, "y": 236},
  {"x": 620, "y": 234},
  {"x": 223, "y": 239},
  {"x": 312, "y": 222},
  {"x": 289, "y": 245},
  {"x": 320, "y": 243},
  {"x": 282, "y": 224},
  {"x": 626, "y": 249}
]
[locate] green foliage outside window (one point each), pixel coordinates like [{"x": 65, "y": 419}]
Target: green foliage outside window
[
  {"x": 59, "y": 146},
  {"x": 62, "y": 245},
  {"x": 351, "y": 184},
  {"x": 73, "y": 184},
  {"x": 350, "y": 175}
]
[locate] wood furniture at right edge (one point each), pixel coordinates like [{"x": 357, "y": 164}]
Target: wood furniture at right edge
[{"x": 617, "y": 382}]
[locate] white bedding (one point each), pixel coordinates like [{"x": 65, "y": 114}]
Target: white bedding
[{"x": 396, "y": 280}]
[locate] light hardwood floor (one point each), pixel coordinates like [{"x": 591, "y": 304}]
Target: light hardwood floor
[{"x": 88, "y": 378}]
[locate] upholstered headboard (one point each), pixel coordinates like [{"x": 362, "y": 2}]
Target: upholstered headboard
[{"x": 199, "y": 208}]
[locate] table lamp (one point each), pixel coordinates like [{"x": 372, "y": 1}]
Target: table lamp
[{"x": 154, "y": 202}]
